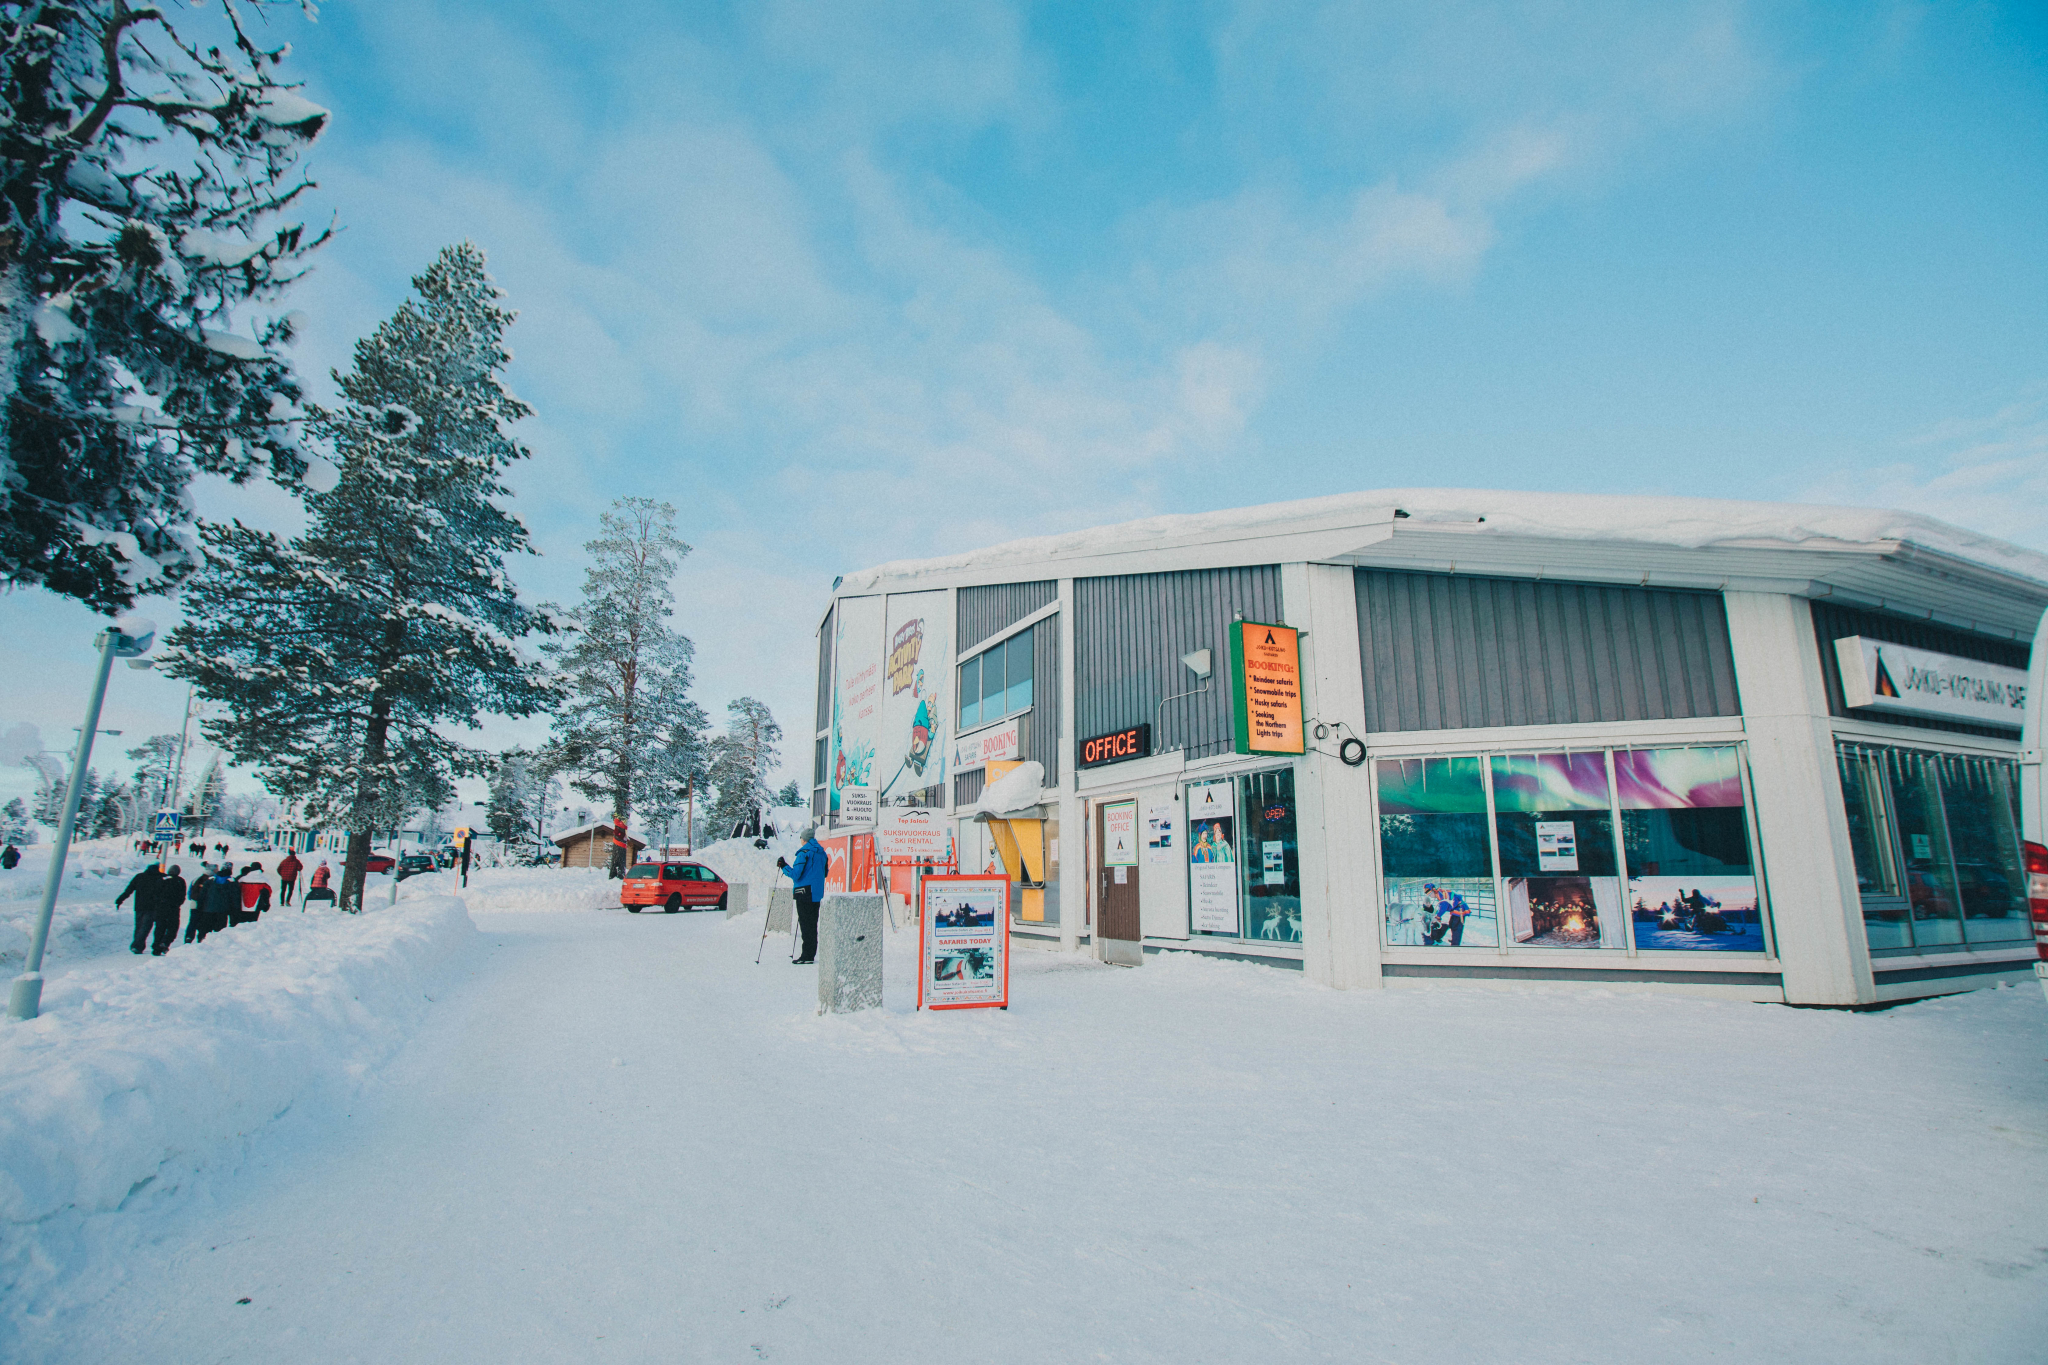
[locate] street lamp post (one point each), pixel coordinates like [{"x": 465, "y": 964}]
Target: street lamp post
[{"x": 128, "y": 638}]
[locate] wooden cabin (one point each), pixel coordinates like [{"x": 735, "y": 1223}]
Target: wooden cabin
[{"x": 591, "y": 845}]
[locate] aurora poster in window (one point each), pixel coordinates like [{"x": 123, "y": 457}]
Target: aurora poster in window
[{"x": 1691, "y": 885}]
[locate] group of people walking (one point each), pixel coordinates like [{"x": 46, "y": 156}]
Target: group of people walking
[{"x": 218, "y": 898}]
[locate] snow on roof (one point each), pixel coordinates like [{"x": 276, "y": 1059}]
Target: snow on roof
[
  {"x": 564, "y": 836},
  {"x": 1683, "y": 523}
]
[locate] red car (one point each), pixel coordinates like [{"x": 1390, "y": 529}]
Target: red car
[
  {"x": 379, "y": 862},
  {"x": 672, "y": 886}
]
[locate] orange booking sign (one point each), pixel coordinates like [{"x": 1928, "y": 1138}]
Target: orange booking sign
[{"x": 1265, "y": 683}]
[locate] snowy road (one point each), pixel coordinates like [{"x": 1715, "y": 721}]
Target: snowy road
[{"x": 619, "y": 1140}]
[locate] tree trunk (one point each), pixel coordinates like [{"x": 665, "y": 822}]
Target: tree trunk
[{"x": 356, "y": 869}]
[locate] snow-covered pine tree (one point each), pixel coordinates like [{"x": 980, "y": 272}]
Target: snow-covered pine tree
[
  {"x": 341, "y": 658},
  {"x": 629, "y": 727},
  {"x": 202, "y": 806},
  {"x": 14, "y": 822},
  {"x": 741, "y": 760},
  {"x": 147, "y": 177},
  {"x": 789, "y": 795},
  {"x": 154, "y": 758}
]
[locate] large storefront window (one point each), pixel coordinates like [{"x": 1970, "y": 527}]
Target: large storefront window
[
  {"x": 1936, "y": 842},
  {"x": 1435, "y": 854},
  {"x": 1554, "y": 817},
  {"x": 1685, "y": 838},
  {"x": 1522, "y": 851},
  {"x": 1244, "y": 864}
]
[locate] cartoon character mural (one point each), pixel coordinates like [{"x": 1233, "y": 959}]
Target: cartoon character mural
[{"x": 912, "y": 753}]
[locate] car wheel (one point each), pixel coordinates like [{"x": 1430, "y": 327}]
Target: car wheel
[
  {"x": 675, "y": 903},
  {"x": 721, "y": 901},
  {"x": 632, "y": 909}
]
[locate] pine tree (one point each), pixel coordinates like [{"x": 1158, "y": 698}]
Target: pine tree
[
  {"x": 629, "y": 729},
  {"x": 741, "y": 760},
  {"x": 14, "y": 822},
  {"x": 146, "y": 176},
  {"x": 155, "y": 758},
  {"x": 342, "y": 658},
  {"x": 790, "y": 795}
]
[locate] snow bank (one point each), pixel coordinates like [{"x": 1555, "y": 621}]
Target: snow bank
[
  {"x": 518, "y": 888},
  {"x": 740, "y": 863},
  {"x": 140, "y": 1072}
]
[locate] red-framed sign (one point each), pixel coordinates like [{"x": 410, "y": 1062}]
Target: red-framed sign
[{"x": 964, "y": 943}]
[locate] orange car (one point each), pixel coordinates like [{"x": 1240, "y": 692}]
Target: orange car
[{"x": 672, "y": 886}]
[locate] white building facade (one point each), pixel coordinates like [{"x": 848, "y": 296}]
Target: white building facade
[{"x": 1548, "y": 739}]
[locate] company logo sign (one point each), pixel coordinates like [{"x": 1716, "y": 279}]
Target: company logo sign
[
  {"x": 997, "y": 744},
  {"x": 1132, "y": 742},
  {"x": 1883, "y": 676},
  {"x": 903, "y": 653}
]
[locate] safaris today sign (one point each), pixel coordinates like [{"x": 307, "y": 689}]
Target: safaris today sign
[{"x": 1920, "y": 682}]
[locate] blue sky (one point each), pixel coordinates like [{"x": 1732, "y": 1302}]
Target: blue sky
[{"x": 849, "y": 283}]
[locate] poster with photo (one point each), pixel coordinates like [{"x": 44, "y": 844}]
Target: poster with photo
[
  {"x": 1212, "y": 858},
  {"x": 964, "y": 943},
  {"x": 1564, "y": 912},
  {"x": 911, "y": 740},
  {"x": 1442, "y": 912},
  {"x": 1159, "y": 842},
  {"x": 1687, "y": 914},
  {"x": 856, "y": 699}
]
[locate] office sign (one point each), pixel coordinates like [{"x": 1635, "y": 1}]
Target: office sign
[
  {"x": 1883, "y": 676},
  {"x": 997, "y": 744},
  {"x": 964, "y": 943},
  {"x": 1120, "y": 834},
  {"x": 1265, "y": 685},
  {"x": 1133, "y": 741}
]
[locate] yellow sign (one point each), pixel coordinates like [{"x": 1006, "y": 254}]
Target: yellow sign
[{"x": 1265, "y": 678}]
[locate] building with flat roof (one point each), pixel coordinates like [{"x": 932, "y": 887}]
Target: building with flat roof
[{"x": 1747, "y": 749}]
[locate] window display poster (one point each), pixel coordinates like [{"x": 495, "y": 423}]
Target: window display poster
[
  {"x": 1159, "y": 834},
  {"x": 964, "y": 939},
  {"x": 1120, "y": 834},
  {"x": 1274, "y": 852},
  {"x": 910, "y": 744},
  {"x": 1442, "y": 912},
  {"x": 1212, "y": 861},
  {"x": 1564, "y": 912},
  {"x": 1692, "y": 913},
  {"x": 856, "y": 698},
  {"x": 1557, "y": 846}
]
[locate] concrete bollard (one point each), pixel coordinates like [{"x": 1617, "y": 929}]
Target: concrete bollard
[
  {"x": 781, "y": 911},
  {"x": 735, "y": 899},
  {"x": 850, "y": 953}
]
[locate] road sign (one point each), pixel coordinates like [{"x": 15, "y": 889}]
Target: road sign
[{"x": 167, "y": 822}]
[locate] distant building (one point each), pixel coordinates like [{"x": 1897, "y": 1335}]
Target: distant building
[{"x": 591, "y": 845}]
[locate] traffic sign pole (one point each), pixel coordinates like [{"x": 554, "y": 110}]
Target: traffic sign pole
[{"x": 25, "y": 1000}]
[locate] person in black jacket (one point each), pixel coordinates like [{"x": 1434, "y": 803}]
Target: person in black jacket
[
  {"x": 145, "y": 886},
  {"x": 170, "y": 899}
]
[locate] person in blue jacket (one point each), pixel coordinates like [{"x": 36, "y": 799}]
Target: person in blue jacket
[{"x": 808, "y": 872}]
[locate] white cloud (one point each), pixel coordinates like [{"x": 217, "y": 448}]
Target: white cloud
[{"x": 1988, "y": 473}]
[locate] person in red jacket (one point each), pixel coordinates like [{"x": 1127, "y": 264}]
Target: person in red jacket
[{"x": 288, "y": 877}]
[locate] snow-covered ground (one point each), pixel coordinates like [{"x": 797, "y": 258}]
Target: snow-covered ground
[{"x": 614, "y": 1137}]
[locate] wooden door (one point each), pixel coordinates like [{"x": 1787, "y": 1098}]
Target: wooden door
[{"x": 1116, "y": 871}]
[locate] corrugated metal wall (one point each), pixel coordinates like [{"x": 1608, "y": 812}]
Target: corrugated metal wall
[
  {"x": 825, "y": 671},
  {"x": 984, "y": 611},
  {"x": 1832, "y": 621},
  {"x": 1129, "y": 634},
  {"x": 967, "y": 786},
  {"x": 1453, "y": 651},
  {"x": 1042, "y": 727}
]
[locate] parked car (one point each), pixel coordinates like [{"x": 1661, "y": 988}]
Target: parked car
[
  {"x": 412, "y": 864},
  {"x": 380, "y": 862},
  {"x": 673, "y": 886}
]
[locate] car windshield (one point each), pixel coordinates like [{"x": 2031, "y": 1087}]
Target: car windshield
[{"x": 642, "y": 872}]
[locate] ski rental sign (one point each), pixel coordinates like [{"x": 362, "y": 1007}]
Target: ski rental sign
[{"x": 1880, "y": 676}]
